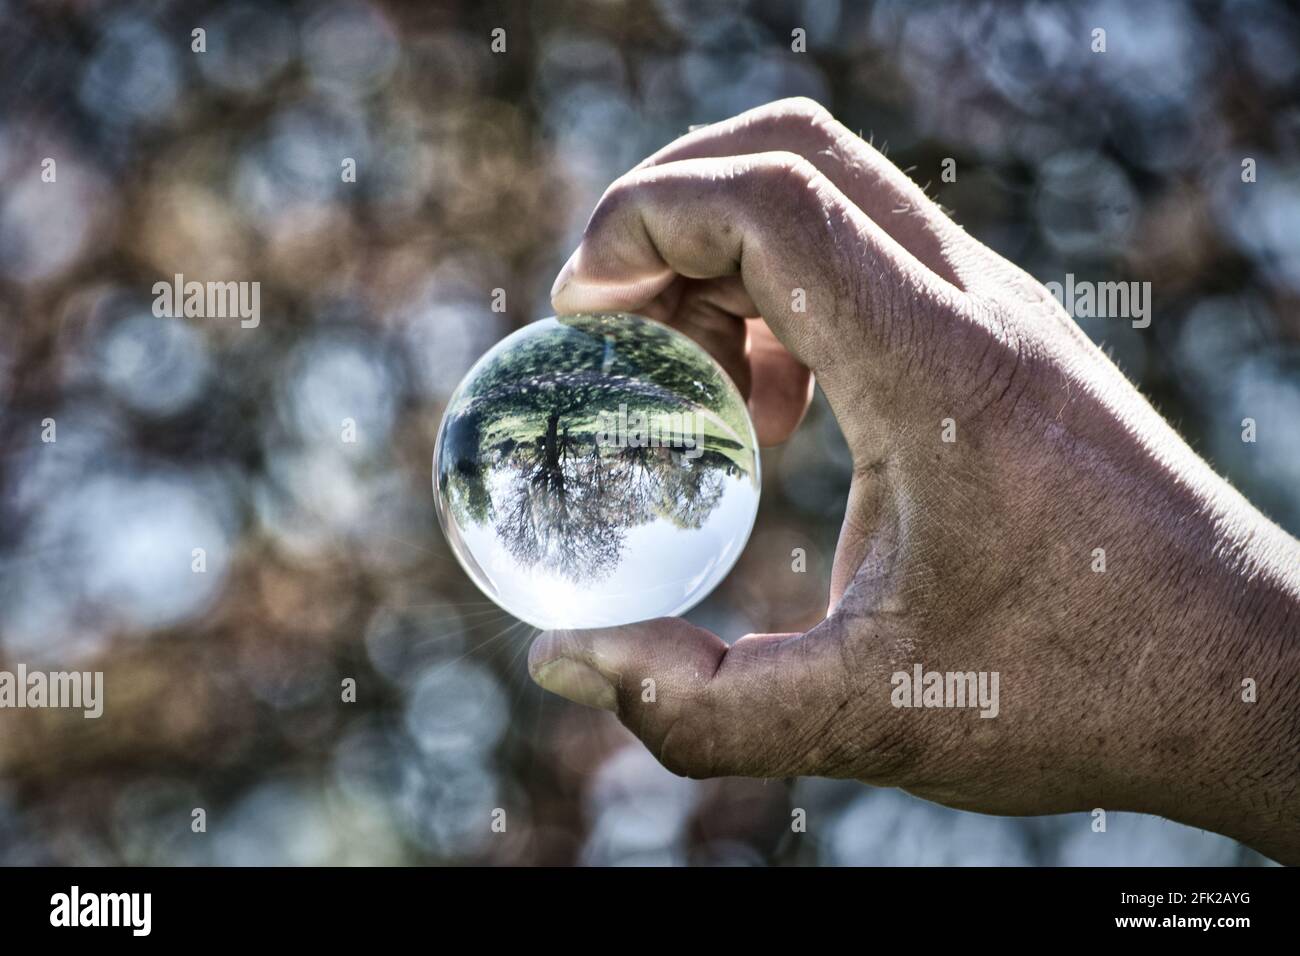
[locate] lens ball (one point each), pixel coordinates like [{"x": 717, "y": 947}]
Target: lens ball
[{"x": 596, "y": 470}]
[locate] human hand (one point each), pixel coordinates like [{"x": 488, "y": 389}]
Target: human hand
[{"x": 1119, "y": 688}]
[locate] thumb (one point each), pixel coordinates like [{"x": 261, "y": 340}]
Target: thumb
[{"x": 756, "y": 708}]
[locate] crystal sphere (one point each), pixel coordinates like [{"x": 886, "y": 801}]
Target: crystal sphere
[{"x": 596, "y": 470}]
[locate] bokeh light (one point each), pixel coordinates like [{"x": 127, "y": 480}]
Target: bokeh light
[{"x": 475, "y": 171}]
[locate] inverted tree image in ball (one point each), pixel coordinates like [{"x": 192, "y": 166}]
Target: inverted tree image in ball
[{"x": 596, "y": 470}]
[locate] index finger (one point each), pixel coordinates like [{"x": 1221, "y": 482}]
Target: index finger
[{"x": 822, "y": 274}]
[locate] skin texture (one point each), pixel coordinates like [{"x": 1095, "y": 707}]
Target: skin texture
[{"x": 1120, "y": 690}]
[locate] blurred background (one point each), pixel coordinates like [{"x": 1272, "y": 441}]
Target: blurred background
[{"x": 476, "y": 171}]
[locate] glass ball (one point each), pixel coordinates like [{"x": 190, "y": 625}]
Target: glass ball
[{"x": 596, "y": 470}]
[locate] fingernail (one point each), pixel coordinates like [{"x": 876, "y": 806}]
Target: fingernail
[
  {"x": 566, "y": 273},
  {"x": 577, "y": 682}
]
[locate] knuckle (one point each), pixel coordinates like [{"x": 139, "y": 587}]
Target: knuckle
[
  {"x": 776, "y": 191},
  {"x": 798, "y": 112},
  {"x": 785, "y": 182},
  {"x": 784, "y": 167},
  {"x": 695, "y": 735},
  {"x": 620, "y": 212},
  {"x": 618, "y": 197},
  {"x": 685, "y": 745}
]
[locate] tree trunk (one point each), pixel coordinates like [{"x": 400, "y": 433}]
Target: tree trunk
[{"x": 551, "y": 449}]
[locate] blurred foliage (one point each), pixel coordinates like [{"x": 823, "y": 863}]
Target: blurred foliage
[{"x": 476, "y": 171}]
